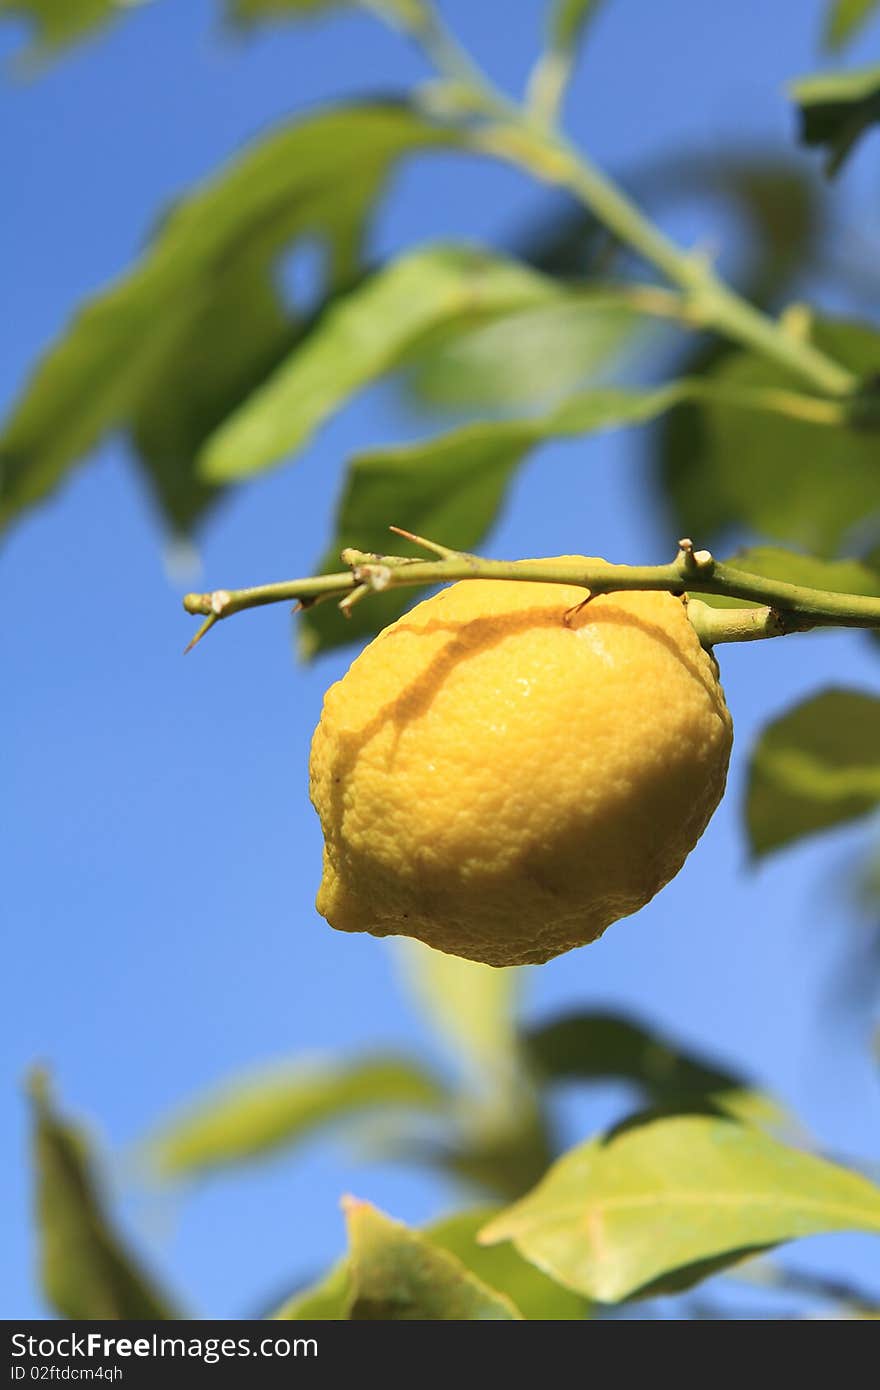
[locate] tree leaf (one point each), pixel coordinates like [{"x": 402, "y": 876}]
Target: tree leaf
[
  {"x": 824, "y": 477},
  {"x": 567, "y": 21},
  {"x": 501, "y": 1267},
  {"x": 451, "y": 486},
  {"x": 615, "y": 1214},
  {"x": 844, "y": 19},
  {"x": 364, "y": 336},
  {"x": 597, "y": 1046},
  {"x": 85, "y": 1269},
  {"x": 317, "y": 178},
  {"x": 838, "y": 576},
  {"x": 400, "y": 1275},
  {"x": 532, "y": 356},
  {"x": 55, "y": 24},
  {"x": 246, "y": 13},
  {"x": 836, "y": 108},
  {"x": 815, "y": 767},
  {"x": 273, "y": 1111},
  {"x": 325, "y": 1301}
]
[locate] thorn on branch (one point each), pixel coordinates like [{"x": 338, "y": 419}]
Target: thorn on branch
[
  {"x": 205, "y": 627},
  {"x": 433, "y": 547}
]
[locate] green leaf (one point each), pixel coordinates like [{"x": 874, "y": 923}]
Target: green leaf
[
  {"x": 844, "y": 19},
  {"x": 325, "y": 1301},
  {"x": 450, "y": 487},
  {"x": 249, "y": 12},
  {"x": 504, "y": 1270},
  {"x": 472, "y": 1005},
  {"x": 823, "y": 476},
  {"x": 836, "y": 109},
  {"x": 567, "y": 21},
  {"x": 55, "y": 24},
  {"x": 155, "y": 330},
  {"x": 361, "y": 338},
  {"x": 270, "y": 1112},
  {"x": 615, "y": 1214},
  {"x": 400, "y": 1275},
  {"x": 838, "y": 576},
  {"x": 529, "y": 357},
  {"x": 815, "y": 767},
  {"x": 500, "y": 1267},
  {"x": 85, "y": 1270},
  {"x": 598, "y": 1046}
]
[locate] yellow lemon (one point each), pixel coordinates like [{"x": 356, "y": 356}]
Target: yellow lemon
[{"x": 502, "y": 778}]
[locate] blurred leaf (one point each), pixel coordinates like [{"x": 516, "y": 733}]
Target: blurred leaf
[
  {"x": 567, "y": 21},
  {"x": 270, "y": 1112},
  {"x": 500, "y": 1267},
  {"x": 844, "y": 19},
  {"x": 789, "y": 479},
  {"x": 400, "y": 1275},
  {"x": 503, "y": 1269},
  {"x": 614, "y": 1215},
  {"x": 57, "y": 23},
  {"x": 450, "y": 486},
  {"x": 249, "y": 12},
  {"x": 241, "y": 334},
  {"x": 597, "y": 1046},
  {"x": 531, "y": 356},
  {"x": 317, "y": 178},
  {"x": 364, "y": 336},
  {"x": 838, "y": 576},
  {"x": 836, "y": 109},
  {"x": 325, "y": 1301},
  {"x": 86, "y": 1272},
  {"x": 816, "y": 766},
  {"x": 472, "y": 1005}
]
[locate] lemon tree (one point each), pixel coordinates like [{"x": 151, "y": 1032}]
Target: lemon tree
[{"x": 531, "y": 752}]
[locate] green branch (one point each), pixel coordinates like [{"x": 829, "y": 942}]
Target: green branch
[
  {"x": 524, "y": 137},
  {"x": 782, "y": 608}
]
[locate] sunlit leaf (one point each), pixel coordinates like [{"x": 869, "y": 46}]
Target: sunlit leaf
[
  {"x": 836, "y": 109},
  {"x": 815, "y": 767},
  {"x": 789, "y": 479},
  {"x": 532, "y": 356},
  {"x": 618, "y": 1213},
  {"x": 398, "y": 1274},
  {"x": 363, "y": 336},
  {"x": 844, "y": 19},
  {"x": 85, "y": 1269},
  {"x": 450, "y": 487},
  {"x": 325, "y": 1301},
  {"x": 269, "y": 1112},
  {"x": 501, "y": 1267},
  {"x": 316, "y": 179}
]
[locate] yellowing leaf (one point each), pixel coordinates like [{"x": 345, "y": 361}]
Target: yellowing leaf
[
  {"x": 85, "y": 1269},
  {"x": 815, "y": 767},
  {"x": 269, "y": 1112},
  {"x": 400, "y": 1275},
  {"x": 616, "y": 1214}
]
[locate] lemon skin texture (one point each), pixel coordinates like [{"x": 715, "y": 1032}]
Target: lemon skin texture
[{"x": 502, "y": 778}]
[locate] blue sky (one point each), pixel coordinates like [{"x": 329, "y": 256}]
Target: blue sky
[{"x": 160, "y": 856}]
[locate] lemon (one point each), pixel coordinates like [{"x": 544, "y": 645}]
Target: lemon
[{"x": 502, "y": 778}]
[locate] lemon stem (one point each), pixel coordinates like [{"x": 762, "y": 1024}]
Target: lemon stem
[{"x": 779, "y": 608}]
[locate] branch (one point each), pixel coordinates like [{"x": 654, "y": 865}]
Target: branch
[
  {"x": 525, "y": 137},
  {"x": 783, "y": 608}
]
